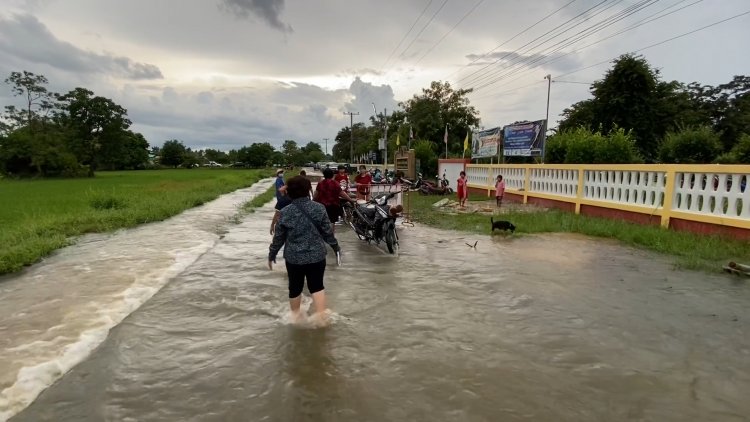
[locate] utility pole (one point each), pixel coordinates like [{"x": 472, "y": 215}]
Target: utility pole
[
  {"x": 546, "y": 119},
  {"x": 385, "y": 134},
  {"x": 351, "y": 132},
  {"x": 326, "y": 139}
]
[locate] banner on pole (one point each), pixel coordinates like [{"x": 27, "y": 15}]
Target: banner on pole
[
  {"x": 486, "y": 143},
  {"x": 524, "y": 139}
]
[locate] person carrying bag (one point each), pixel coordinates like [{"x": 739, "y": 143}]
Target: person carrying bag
[{"x": 304, "y": 247}]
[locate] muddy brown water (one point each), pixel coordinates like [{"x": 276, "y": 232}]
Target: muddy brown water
[{"x": 533, "y": 328}]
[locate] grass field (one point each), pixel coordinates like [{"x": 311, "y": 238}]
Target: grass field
[
  {"x": 691, "y": 251},
  {"x": 39, "y": 216}
]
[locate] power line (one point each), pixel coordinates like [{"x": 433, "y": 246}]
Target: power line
[
  {"x": 663, "y": 42},
  {"x": 634, "y": 51},
  {"x": 533, "y": 57},
  {"x": 636, "y": 25},
  {"x": 406, "y": 35},
  {"x": 534, "y": 40},
  {"x": 571, "y": 82},
  {"x": 512, "y": 38},
  {"x": 515, "y": 66},
  {"x": 423, "y": 28},
  {"x": 448, "y": 33}
]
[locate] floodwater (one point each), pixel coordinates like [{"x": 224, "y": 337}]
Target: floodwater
[{"x": 533, "y": 328}]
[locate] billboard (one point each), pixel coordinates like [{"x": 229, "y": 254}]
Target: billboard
[
  {"x": 486, "y": 143},
  {"x": 524, "y": 139}
]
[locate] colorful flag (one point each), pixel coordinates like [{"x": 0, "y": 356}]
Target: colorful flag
[
  {"x": 398, "y": 139},
  {"x": 466, "y": 141}
]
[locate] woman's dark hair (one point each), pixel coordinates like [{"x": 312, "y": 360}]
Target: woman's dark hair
[
  {"x": 298, "y": 187},
  {"x": 327, "y": 173}
]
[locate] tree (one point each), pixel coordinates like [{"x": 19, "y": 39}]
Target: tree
[
  {"x": 291, "y": 152},
  {"x": 216, "y": 156},
  {"x": 437, "y": 106},
  {"x": 256, "y": 155},
  {"x": 172, "y": 153},
  {"x": 99, "y": 127},
  {"x": 312, "y": 153},
  {"x": 365, "y": 140},
  {"x": 38, "y": 100},
  {"x": 632, "y": 97}
]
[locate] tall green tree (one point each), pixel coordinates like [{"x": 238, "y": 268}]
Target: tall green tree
[
  {"x": 172, "y": 153},
  {"x": 312, "y": 152},
  {"x": 38, "y": 101},
  {"x": 257, "y": 154},
  {"x": 632, "y": 96},
  {"x": 438, "y": 105},
  {"x": 99, "y": 127}
]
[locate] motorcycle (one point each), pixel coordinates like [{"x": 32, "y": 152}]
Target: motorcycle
[
  {"x": 374, "y": 220},
  {"x": 413, "y": 185}
]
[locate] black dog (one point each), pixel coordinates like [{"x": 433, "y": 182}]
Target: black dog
[{"x": 502, "y": 225}]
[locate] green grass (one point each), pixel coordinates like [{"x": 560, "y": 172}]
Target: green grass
[
  {"x": 691, "y": 251},
  {"x": 39, "y": 216},
  {"x": 260, "y": 200}
]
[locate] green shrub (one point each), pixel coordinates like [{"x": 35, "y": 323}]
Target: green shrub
[
  {"x": 690, "y": 146},
  {"x": 741, "y": 151},
  {"x": 582, "y": 146}
]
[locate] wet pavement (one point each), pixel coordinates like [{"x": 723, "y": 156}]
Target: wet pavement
[{"x": 541, "y": 328}]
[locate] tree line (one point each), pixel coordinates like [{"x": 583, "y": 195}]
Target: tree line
[
  {"x": 632, "y": 117},
  {"x": 78, "y": 133}
]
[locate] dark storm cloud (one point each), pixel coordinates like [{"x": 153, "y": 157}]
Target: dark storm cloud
[
  {"x": 559, "y": 61},
  {"x": 267, "y": 10},
  {"x": 24, "y": 37}
]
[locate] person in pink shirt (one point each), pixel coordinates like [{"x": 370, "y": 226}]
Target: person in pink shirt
[
  {"x": 462, "y": 190},
  {"x": 499, "y": 190}
]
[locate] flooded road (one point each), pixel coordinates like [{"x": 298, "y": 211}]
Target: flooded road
[{"x": 538, "y": 328}]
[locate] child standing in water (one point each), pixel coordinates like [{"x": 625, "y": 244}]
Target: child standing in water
[
  {"x": 499, "y": 190},
  {"x": 462, "y": 190}
]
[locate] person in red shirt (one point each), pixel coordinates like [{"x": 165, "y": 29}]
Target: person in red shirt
[
  {"x": 342, "y": 175},
  {"x": 462, "y": 190},
  {"x": 329, "y": 194},
  {"x": 363, "y": 181},
  {"x": 499, "y": 190}
]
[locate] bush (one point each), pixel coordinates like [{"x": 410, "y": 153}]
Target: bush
[
  {"x": 741, "y": 151},
  {"x": 582, "y": 146},
  {"x": 424, "y": 152},
  {"x": 690, "y": 146}
]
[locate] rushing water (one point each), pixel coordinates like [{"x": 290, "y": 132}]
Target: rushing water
[{"x": 550, "y": 328}]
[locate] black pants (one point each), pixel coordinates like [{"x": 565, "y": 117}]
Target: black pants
[{"x": 297, "y": 274}]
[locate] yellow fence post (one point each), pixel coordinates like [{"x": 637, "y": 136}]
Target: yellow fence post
[
  {"x": 579, "y": 193},
  {"x": 671, "y": 180},
  {"x": 489, "y": 180},
  {"x": 526, "y": 176}
]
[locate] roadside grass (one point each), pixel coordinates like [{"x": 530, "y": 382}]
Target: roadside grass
[
  {"x": 690, "y": 250},
  {"x": 39, "y": 216},
  {"x": 260, "y": 200}
]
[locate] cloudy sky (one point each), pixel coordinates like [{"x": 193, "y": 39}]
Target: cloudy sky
[{"x": 226, "y": 73}]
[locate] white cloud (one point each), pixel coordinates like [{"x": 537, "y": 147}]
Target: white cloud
[{"x": 188, "y": 69}]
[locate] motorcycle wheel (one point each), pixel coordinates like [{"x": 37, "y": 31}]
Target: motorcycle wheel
[
  {"x": 348, "y": 218},
  {"x": 390, "y": 237}
]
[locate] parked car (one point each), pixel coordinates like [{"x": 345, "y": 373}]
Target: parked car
[{"x": 212, "y": 164}]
